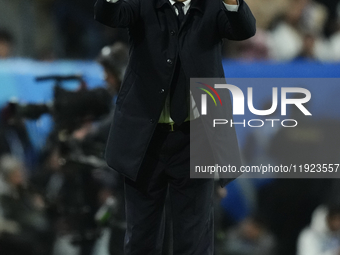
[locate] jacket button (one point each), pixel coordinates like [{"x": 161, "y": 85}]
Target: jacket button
[
  {"x": 152, "y": 121},
  {"x": 172, "y": 32},
  {"x": 162, "y": 91},
  {"x": 169, "y": 61}
]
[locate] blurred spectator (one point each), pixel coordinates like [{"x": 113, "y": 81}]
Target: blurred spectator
[
  {"x": 14, "y": 138},
  {"x": 81, "y": 36},
  {"x": 51, "y": 29},
  {"x": 322, "y": 237},
  {"x": 27, "y": 229},
  {"x": 307, "y": 51},
  {"x": 303, "y": 17},
  {"x": 332, "y": 24},
  {"x": 31, "y": 23},
  {"x": 291, "y": 30},
  {"x": 17, "y": 16},
  {"x": 255, "y": 48},
  {"x": 6, "y": 44},
  {"x": 47, "y": 41},
  {"x": 268, "y": 11},
  {"x": 250, "y": 237},
  {"x": 329, "y": 49}
]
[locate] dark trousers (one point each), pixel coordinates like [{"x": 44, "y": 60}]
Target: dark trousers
[{"x": 166, "y": 170}]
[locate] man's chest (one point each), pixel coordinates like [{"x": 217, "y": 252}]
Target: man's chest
[{"x": 163, "y": 24}]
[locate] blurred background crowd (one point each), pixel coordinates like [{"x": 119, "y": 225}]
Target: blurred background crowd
[
  {"x": 60, "y": 198},
  {"x": 55, "y": 29}
]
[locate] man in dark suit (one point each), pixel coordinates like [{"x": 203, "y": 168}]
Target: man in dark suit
[{"x": 149, "y": 142}]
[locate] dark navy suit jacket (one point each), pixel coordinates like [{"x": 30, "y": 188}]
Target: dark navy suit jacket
[{"x": 155, "y": 43}]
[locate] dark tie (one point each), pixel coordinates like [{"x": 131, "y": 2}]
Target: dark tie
[
  {"x": 178, "y": 92},
  {"x": 179, "y": 7},
  {"x": 179, "y": 95}
]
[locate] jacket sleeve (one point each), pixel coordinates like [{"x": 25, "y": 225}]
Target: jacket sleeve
[
  {"x": 237, "y": 26},
  {"x": 123, "y": 13}
]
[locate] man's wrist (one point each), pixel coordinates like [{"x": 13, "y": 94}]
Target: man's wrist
[
  {"x": 231, "y": 2},
  {"x": 231, "y": 7}
]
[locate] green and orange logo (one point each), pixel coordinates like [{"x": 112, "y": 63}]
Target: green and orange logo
[{"x": 204, "y": 97}]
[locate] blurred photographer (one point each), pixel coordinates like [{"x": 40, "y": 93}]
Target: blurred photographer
[
  {"x": 24, "y": 226},
  {"x": 85, "y": 197},
  {"x": 114, "y": 60}
]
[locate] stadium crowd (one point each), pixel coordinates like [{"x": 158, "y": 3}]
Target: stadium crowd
[{"x": 59, "y": 29}]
